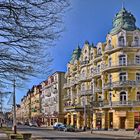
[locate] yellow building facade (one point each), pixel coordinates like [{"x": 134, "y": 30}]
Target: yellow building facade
[{"x": 103, "y": 81}]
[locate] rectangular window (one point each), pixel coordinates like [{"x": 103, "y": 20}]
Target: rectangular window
[
  {"x": 137, "y": 59},
  {"x": 138, "y": 77},
  {"x": 123, "y": 77},
  {"x": 138, "y": 96},
  {"x": 122, "y": 60}
]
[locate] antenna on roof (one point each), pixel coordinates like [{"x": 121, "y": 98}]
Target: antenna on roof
[{"x": 123, "y": 4}]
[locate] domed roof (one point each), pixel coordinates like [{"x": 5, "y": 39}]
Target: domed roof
[
  {"x": 76, "y": 55},
  {"x": 123, "y": 20}
]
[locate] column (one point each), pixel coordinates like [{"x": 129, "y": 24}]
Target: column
[
  {"x": 78, "y": 120},
  {"x": 94, "y": 120},
  {"x": 103, "y": 120},
  {"x": 129, "y": 125},
  {"x": 78, "y": 94},
  {"x": 72, "y": 119},
  {"x": 103, "y": 81},
  {"x": 116, "y": 121}
]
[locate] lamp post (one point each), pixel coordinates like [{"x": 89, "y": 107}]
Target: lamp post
[
  {"x": 14, "y": 128},
  {"x": 85, "y": 116}
]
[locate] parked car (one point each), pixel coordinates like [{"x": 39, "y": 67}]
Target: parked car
[
  {"x": 66, "y": 128},
  {"x": 70, "y": 128},
  {"x": 61, "y": 127},
  {"x": 33, "y": 124},
  {"x": 26, "y": 123},
  {"x": 20, "y": 123},
  {"x": 57, "y": 125}
]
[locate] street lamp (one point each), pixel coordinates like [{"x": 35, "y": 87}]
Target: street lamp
[
  {"x": 85, "y": 116},
  {"x": 14, "y": 107}
]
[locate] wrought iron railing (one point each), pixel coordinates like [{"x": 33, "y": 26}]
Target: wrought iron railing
[
  {"x": 86, "y": 92},
  {"x": 127, "y": 83},
  {"x": 120, "y": 64}
]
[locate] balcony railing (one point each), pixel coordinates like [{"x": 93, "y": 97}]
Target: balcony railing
[
  {"x": 117, "y": 84},
  {"x": 67, "y": 85},
  {"x": 86, "y": 92},
  {"x": 98, "y": 55},
  {"x": 84, "y": 77},
  {"x": 108, "y": 48},
  {"x": 122, "y": 45},
  {"x": 97, "y": 90},
  {"x": 84, "y": 62},
  {"x": 96, "y": 71},
  {"x": 121, "y": 104},
  {"x": 107, "y": 104},
  {"x": 67, "y": 97},
  {"x": 119, "y": 64}
]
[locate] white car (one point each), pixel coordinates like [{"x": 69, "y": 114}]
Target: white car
[
  {"x": 33, "y": 124},
  {"x": 57, "y": 124}
]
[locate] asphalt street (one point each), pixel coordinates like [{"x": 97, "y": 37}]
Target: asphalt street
[{"x": 49, "y": 134}]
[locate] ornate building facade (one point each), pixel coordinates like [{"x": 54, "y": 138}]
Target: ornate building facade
[
  {"x": 103, "y": 81},
  {"x": 52, "y": 98}
]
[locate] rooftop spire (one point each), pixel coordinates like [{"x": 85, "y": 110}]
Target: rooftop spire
[{"x": 123, "y": 4}]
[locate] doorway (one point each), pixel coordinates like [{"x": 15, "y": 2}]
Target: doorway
[
  {"x": 111, "y": 120},
  {"x": 122, "y": 122}
]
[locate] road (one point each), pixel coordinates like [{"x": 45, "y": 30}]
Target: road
[{"x": 48, "y": 134}]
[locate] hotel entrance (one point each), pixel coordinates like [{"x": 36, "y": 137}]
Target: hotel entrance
[{"x": 122, "y": 122}]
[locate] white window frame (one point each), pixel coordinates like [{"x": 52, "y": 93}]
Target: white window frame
[
  {"x": 137, "y": 59},
  {"x": 122, "y": 60},
  {"x": 123, "y": 77}
]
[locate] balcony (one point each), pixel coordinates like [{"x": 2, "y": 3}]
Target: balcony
[
  {"x": 121, "y": 104},
  {"x": 98, "y": 57},
  {"x": 73, "y": 107},
  {"x": 96, "y": 104},
  {"x": 120, "y": 84},
  {"x": 116, "y": 65},
  {"x": 119, "y": 46},
  {"x": 96, "y": 72},
  {"x": 84, "y": 63},
  {"x": 108, "y": 48},
  {"x": 67, "y": 85},
  {"x": 86, "y": 92},
  {"x": 98, "y": 90},
  {"x": 67, "y": 97},
  {"x": 85, "y": 77}
]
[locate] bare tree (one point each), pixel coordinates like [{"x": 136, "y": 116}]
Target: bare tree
[{"x": 27, "y": 29}]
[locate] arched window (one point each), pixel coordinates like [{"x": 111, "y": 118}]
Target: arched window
[
  {"x": 83, "y": 73},
  {"x": 99, "y": 51},
  {"x": 110, "y": 78},
  {"x": 98, "y": 68},
  {"x": 86, "y": 59},
  {"x": 122, "y": 60},
  {"x": 110, "y": 98},
  {"x": 138, "y": 96},
  {"x": 91, "y": 70},
  {"x": 83, "y": 87},
  {"x": 121, "y": 41},
  {"x": 123, "y": 98},
  {"x": 109, "y": 42},
  {"x": 110, "y": 62},
  {"x": 136, "y": 41},
  {"x": 91, "y": 57},
  {"x": 99, "y": 98}
]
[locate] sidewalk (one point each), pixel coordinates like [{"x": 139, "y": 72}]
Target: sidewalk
[
  {"x": 3, "y": 136},
  {"x": 119, "y": 133}
]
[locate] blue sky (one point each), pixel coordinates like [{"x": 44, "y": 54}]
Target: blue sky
[{"x": 87, "y": 20}]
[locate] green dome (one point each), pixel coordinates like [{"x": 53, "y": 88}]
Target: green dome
[
  {"x": 76, "y": 55},
  {"x": 123, "y": 20}
]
